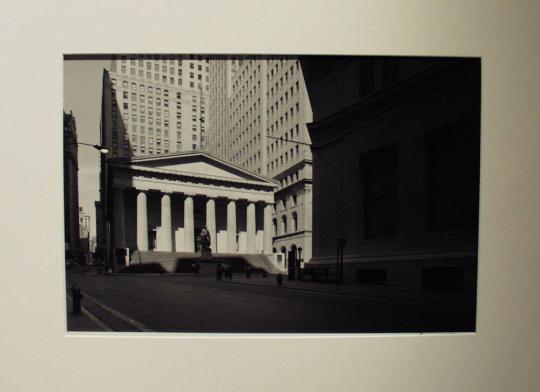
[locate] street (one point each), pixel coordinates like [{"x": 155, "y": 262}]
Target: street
[{"x": 191, "y": 303}]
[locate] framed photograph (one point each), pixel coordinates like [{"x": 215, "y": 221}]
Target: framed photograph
[
  {"x": 374, "y": 241},
  {"x": 271, "y": 193}
]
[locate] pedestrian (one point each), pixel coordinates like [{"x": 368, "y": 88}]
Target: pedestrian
[{"x": 219, "y": 271}]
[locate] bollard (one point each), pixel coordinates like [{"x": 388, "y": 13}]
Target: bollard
[
  {"x": 77, "y": 297},
  {"x": 279, "y": 278}
]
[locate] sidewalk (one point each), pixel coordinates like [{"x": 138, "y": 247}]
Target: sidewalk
[
  {"x": 84, "y": 321},
  {"x": 457, "y": 300}
]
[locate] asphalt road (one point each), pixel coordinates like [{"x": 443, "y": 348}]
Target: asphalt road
[{"x": 180, "y": 303}]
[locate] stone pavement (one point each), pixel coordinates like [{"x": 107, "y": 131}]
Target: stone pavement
[
  {"x": 84, "y": 321},
  {"x": 458, "y": 300}
]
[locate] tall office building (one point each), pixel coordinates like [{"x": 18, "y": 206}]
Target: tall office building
[
  {"x": 259, "y": 109},
  {"x": 154, "y": 104}
]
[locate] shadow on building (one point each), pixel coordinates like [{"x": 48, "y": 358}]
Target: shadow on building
[
  {"x": 115, "y": 137},
  {"x": 396, "y": 164},
  {"x": 71, "y": 190}
]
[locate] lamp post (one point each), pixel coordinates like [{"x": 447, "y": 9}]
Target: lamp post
[
  {"x": 101, "y": 149},
  {"x": 299, "y": 263}
]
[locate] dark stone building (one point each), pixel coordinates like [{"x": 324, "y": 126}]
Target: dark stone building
[
  {"x": 396, "y": 154},
  {"x": 71, "y": 188}
]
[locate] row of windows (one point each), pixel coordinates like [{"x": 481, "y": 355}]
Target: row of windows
[
  {"x": 452, "y": 166},
  {"x": 150, "y": 150},
  {"x": 282, "y": 204},
  {"x": 142, "y": 87},
  {"x": 292, "y": 134},
  {"x": 244, "y": 77},
  {"x": 167, "y": 79},
  {"x": 151, "y": 140},
  {"x": 288, "y": 180},
  {"x": 288, "y": 116},
  {"x": 279, "y": 65},
  {"x": 163, "y": 68},
  {"x": 291, "y": 92},
  {"x": 164, "y": 58},
  {"x": 283, "y": 226}
]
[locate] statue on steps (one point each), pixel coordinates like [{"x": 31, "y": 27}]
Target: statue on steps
[{"x": 204, "y": 240}]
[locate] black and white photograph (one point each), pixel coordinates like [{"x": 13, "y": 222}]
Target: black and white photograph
[
  {"x": 270, "y": 196},
  {"x": 271, "y": 193}
]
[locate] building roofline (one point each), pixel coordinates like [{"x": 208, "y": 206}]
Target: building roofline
[{"x": 163, "y": 157}]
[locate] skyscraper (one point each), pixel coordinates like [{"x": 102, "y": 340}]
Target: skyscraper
[
  {"x": 154, "y": 104},
  {"x": 259, "y": 109}
]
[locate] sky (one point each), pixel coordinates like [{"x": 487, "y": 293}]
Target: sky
[{"x": 82, "y": 96}]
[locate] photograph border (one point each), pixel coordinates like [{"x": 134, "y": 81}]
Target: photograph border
[{"x": 502, "y": 354}]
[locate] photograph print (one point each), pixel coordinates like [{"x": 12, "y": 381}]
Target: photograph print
[{"x": 271, "y": 193}]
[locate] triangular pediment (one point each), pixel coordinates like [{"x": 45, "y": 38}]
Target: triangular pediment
[{"x": 198, "y": 164}]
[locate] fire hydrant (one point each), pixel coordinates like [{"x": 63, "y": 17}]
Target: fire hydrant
[{"x": 77, "y": 296}]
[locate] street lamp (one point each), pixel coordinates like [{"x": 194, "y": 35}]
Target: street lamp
[{"x": 101, "y": 149}]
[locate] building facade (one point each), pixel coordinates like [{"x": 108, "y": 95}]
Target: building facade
[
  {"x": 154, "y": 104},
  {"x": 396, "y": 144},
  {"x": 259, "y": 109},
  {"x": 161, "y": 204},
  {"x": 71, "y": 187},
  {"x": 84, "y": 235}
]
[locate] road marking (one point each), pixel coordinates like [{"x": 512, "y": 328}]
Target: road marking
[
  {"x": 118, "y": 314},
  {"x": 93, "y": 318}
]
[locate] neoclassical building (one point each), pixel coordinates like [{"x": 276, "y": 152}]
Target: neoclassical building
[
  {"x": 396, "y": 168},
  {"x": 161, "y": 203}
]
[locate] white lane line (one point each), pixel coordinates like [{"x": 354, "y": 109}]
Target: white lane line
[
  {"x": 121, "y": 316},
  {"x": 93, "y": 318}
]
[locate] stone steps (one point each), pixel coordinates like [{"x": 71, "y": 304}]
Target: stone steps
[{"x": 183, "y": 262}]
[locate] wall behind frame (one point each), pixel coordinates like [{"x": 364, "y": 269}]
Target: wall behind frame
[{"x": 503, "y": 354}]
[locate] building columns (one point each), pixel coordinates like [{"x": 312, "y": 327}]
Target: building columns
[
  {"x": 211, "y": 223},
  {"x": 166, "y": 226},
  {"x": 142, "y": 222},
  {"x": 119, "y": 219},
  {"x": 250, "y": 228},
  {"x": 189, "y": 228},
  {"x": 231, "y": 226},
  {"x": 267, "y": 229}
]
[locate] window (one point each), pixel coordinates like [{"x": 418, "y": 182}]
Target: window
[
  {"x": 453, "y": 162},
  {"x": 283, "y": 224},
  {"x": 379, "y": 175},
  {"x": 294, "y": 222}
]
